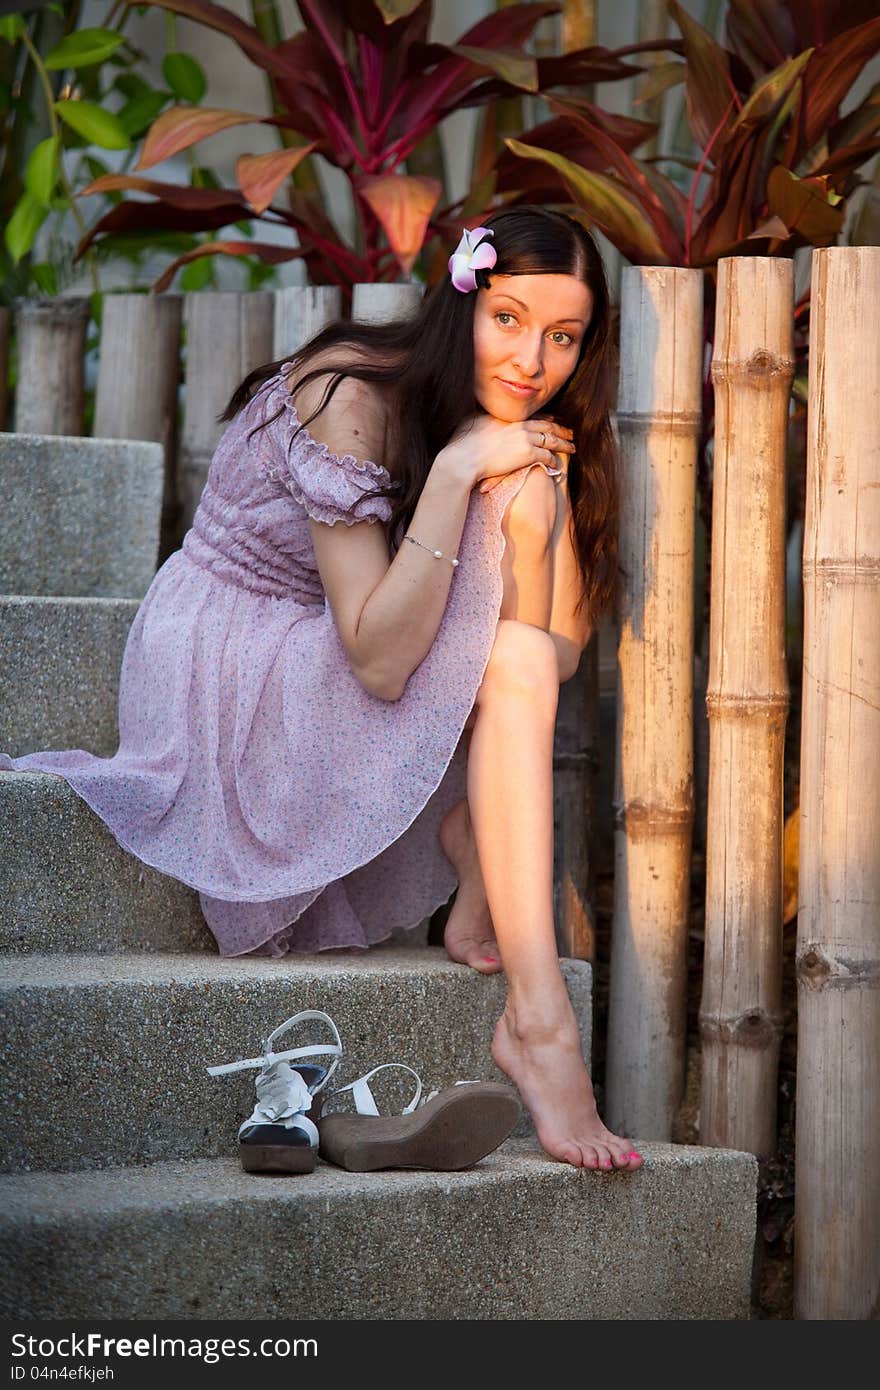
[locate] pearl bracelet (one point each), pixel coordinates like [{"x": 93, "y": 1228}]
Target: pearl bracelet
[{"x": 438, "y": 553}]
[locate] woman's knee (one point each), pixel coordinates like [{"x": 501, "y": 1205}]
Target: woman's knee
[
  {"x": 532, "y": 512},
  {"x": 523, "y": 662}
]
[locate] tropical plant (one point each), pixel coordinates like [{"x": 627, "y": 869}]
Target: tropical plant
[
  {"x": 775, "y": 165},
  {"x": 776, "y": 161},
  {"x": 82, "y": 91},
  {"x": 362, "y": 87}
]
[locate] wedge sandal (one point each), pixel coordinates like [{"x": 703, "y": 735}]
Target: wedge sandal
[
  {"x": 279, "y": 1137},
  {"x": 450, "y": 1130}
]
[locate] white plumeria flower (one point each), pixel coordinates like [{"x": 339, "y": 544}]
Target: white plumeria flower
[{"x": 469, "y": 257}]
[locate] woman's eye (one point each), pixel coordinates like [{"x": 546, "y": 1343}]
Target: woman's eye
[{"x": 504, "y": 314}]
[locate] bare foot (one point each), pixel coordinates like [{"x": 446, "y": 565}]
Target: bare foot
[
  {"x": 469, "y": 936},
  {"x": 548, "y": 1068}
]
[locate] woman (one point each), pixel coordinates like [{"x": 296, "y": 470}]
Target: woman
[{"x": 309, "y": 711}]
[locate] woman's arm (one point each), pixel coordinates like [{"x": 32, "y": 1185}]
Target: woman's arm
[{"x": 387, "y": 612}]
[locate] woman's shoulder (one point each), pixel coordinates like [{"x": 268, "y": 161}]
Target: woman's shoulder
[{"x": 358, "y": 411}]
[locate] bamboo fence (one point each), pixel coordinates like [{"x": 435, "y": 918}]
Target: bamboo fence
[
  {"x": 747, "y": 703},
  {"x": 661, "y": 343},
  {"x": 837, "y": 1214}
]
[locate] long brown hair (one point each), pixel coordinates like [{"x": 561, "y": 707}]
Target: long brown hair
[{"x": 427, "y": 361}]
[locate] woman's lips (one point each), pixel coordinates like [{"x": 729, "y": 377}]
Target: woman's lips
[{"x": 518, "y": 390}]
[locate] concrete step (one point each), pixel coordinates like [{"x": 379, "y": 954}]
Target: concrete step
[
  {"x": 67, "y": 885},
  {"x": 79, "y": 516},
  {"x": 60, "y": 660},
  {"x": 518, "y": 1236},
  {"x": 105, "y": 1056}
]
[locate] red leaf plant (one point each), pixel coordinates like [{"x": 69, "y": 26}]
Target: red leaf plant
[{"x": 362, "y": 87}]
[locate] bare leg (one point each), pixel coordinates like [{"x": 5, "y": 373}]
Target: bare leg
[
  {"x": 510, "y": 799},
  {"x": 544, "y": 594},
  {"x": 469, "y": 936},
  {"x": 510, "y": 794}
]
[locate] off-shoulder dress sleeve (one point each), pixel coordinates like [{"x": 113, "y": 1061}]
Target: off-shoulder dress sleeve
[{"x": 330, "y": 487}]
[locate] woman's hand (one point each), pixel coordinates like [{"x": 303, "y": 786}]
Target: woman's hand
[{"x": 490, "y": 449}]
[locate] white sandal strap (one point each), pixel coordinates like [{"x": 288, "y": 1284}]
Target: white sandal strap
[
  {"x": 283, "y": 1095},
  {"x": 293, "y": 1053},
  {"x": 364, "y": 1101}
]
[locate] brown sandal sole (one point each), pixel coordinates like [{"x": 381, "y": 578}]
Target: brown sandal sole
[
  {"x": 278, "y": 1158},
  {"x": 456, "y": 1129}
]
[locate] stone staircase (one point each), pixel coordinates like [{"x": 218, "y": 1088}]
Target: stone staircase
[{"x": 121, "y": 1192}]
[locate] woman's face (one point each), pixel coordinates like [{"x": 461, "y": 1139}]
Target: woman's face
[{"x": 528, "y": 331}]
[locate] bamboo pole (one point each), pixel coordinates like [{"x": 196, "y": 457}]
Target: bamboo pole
[
  {"x": 138, "y": 376},
  {"x": 50, "y": 392},
  {"x": 658, "y": 420},
  {"x": 578, "y": 25},
  {"x": 575, "y": 770},
  {"x": 228, "y": 334},
  {"x": 747, "y": 704},
  {"x": 837, "y": 1212}
]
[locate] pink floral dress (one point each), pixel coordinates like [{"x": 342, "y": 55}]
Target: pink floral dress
[{"x": 252, "y": 765}]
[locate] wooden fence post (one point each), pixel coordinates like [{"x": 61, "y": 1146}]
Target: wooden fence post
[
  {"x": 837, "y": 1209},
  {"x": 379, "y": 302},
  {"x": 50, "y": 392},
  {"x": 301, "y": 311},
  {"x": 658, "y": 420},
  {"x": 138, "y": 376},
  {"x": 747, "y": 703},
  {"x": 228, "y": 334}
]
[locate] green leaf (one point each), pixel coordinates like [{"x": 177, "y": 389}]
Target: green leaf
[
  {"x": 708, "y": 84},
  {"x": 608, "y": 203},
  {"x": 200, "y": 176},
  {"x": 185, "y": 77},
  {"x": 198, "y": 274},
  {"x": 27, "y": 218},
  {"x": 659, "y": 79},
  {"x": 518, "y": 69},
  {"x": 246, "y": 228},
  {"x": 96, "y": 125},
  {"x": 130, "y": 85},
  {"x": 12, "y": 26},
  {"x": 81, "y": 49},
  {"x": 137, "y": 115},
  {"x": 41, "y": 171},
  {"x": 96, "y": 167},
  {"x": 45, "y": 276},
  {"x": 767, "y": 93},
  {"x": 258, "y": 273}
]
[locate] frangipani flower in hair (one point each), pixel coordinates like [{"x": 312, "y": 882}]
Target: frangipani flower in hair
[{"x": 469, "y": 257}]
